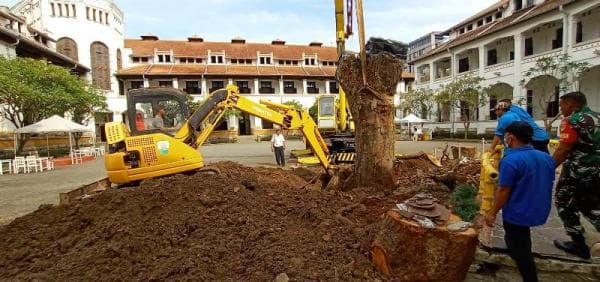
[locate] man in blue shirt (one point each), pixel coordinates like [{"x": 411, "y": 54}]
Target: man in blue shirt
[
  {"x": 524, "y": 194},
  {"x": 508, "y": 113}
]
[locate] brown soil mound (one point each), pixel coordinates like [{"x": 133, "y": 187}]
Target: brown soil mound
[{"x": 243, "y": 224}]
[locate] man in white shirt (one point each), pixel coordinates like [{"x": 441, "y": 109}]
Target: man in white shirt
[{"x": 278, "y": 146}]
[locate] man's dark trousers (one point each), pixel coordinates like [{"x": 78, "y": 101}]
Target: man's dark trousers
[
  {"x": 279, "y": 156},
  {"x": 518, "y": 242}
]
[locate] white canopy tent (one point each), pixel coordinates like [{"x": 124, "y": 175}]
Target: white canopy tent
[
  {"x": 6, "y": 126},
  {"x": 412, "y": 119},
  {"x": 54, "y": 124}
]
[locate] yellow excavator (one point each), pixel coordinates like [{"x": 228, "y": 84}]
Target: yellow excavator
[{"x": 160, "y": 138}]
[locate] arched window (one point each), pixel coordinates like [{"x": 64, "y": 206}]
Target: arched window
[
  {"x": 119, "y": 60},
  {"x": 100, "y": 64},
  {"x": 67, "y": 47}
]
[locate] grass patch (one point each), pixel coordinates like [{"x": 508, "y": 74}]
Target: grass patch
[{"x": 464, "y": 203}]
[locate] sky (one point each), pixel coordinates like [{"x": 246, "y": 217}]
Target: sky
[{"x": 295, "y": 21}]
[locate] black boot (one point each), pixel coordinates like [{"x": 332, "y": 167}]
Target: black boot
[{"x": 576, "y": 247}]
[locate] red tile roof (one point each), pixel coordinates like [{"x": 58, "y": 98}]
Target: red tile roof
[
  {"x": 141, "y": 48},
  {"x": 517, "y": 17}
]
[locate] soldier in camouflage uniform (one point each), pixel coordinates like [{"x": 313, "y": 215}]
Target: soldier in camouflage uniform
[{"x": 578, "y": 188}]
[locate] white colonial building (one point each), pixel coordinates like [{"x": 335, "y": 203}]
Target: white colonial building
[
  {"x": 88, "y": 31},
  {"x": 502, "y": 42}
]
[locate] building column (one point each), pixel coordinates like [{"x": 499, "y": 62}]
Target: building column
[
  {"x": 146, "y": 83},
  {"x": 203, "y": 88},
  {"x": 175, "y": 83},
  {"x": 281, "y": 86},
  {"x": 517, "y": 88},
  {"x": 431, "y": 75},
  {"x": 453, "y": 66},
  {"x": 230, "y": 81},
  {"x": 256, "y": 86},
  {"x": 482, "y": 64},
  {"x": 327, "y": 86},
  {"x": 566, "y": 26},
  {"x": 304, "y": 86}
]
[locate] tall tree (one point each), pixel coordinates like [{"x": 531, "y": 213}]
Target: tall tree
[
  {"x": 33, "y": 90},
  {"x": 420, "y": 101},
  {"x": 466, "y": 95},
  {"x": 546, "y": 74}
]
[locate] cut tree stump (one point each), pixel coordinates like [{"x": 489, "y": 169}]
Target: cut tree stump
[
  {"x": 404, "y": 250},
  {"x": 372, "y": 110}
]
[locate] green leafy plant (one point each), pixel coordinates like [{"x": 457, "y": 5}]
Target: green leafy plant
[
  {"x": 312, "y": 111},
  {"x": 549, "y": 73},
  {"x": 420, "y": 101},
  {"x": 464, "y": 203},
  {"x": 294, "y": 103},
  {"x": 465, "y": 94},
  {"x": 33, "y": 90}
]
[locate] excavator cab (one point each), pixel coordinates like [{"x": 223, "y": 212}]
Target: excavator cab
[
  {"x": 156, "y": 110},
  {"x": 153, "y": 143},
  {"x": 326, "y": 110}
]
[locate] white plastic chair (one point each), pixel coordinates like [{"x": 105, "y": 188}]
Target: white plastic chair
[
  {"x": 49, "y": 164},
  {"x": 18, "y": 164},
  {"x": 32, "y": 162},
  {"x": 76, "y": 157}
]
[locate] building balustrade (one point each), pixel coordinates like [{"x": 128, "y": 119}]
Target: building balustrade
[
  {"x": 245, "y": 90},
  {"x": 500, "y": 66},
  {"x": 193, "y": 90},
  {"x": 546, "y": 54},
  {"x": 587, "y": 45},
  {"x": 424, "y": 78},
  {"x": 290, "y": 90},
  {"x": 266, "y": 90},
  {"x": 312, "y": 90}
]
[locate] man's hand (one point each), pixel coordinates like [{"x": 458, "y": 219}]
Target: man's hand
[
  {"x": 272, "y": 149},
  {"x": 490, "y": 219},
  {"x": 492, "y": 151}
]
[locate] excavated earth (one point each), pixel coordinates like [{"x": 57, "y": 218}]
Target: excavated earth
[{"x": 242, "y": 224}]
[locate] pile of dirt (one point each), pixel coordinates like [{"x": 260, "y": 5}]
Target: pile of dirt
[
  {"x": 421, "y": 171},
  {"x": 241, "y": 224}
]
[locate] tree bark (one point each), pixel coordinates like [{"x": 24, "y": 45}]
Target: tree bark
[{"x": 372, "y": 110}]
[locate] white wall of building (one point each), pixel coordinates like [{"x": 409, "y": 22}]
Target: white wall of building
[
  {"x": 543, "y": 30},
  {"x": 7, "y": 50},
  {"x": 84, "y": 32}
]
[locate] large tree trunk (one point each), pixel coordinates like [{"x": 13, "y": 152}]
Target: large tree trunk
[
  {"x": 372, "y": 110},
  {"x": 408, "y": 252},
  {"x": 21, "y": 140}
]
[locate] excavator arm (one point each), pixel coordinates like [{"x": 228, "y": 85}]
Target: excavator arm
[{"x": 206, "y": 118}]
